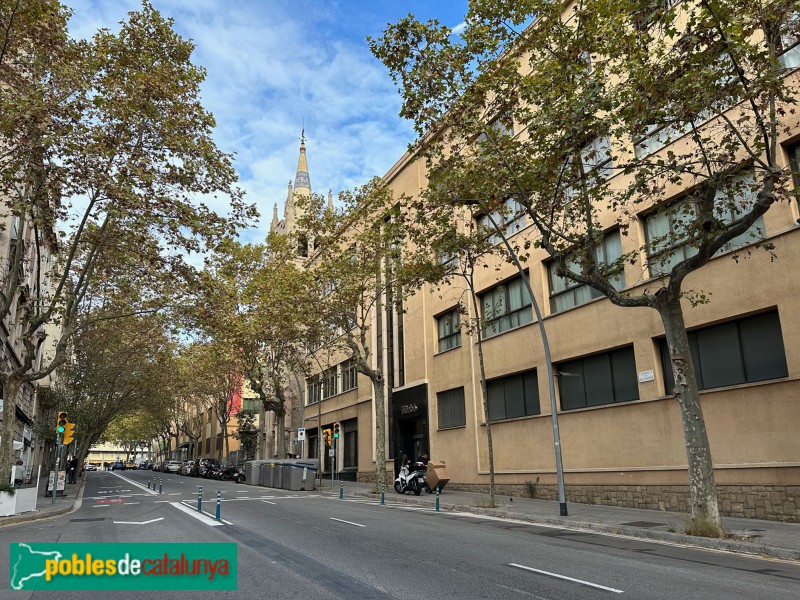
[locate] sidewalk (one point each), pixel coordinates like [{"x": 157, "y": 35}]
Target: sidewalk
[
  {"x": 751, "y": 536},
  {"x": 45, "y": 507}
]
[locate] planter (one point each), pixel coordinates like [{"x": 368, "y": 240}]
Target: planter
[{"x": 8, "y": 504}]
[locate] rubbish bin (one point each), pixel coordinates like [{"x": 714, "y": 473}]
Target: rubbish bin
[
  {"x": 293, "y": 476},
  {"x": 265, "y": 475},
  {"x": 307, "y": 469},
  {"x": 251, "y": 471},
  {"x": 277, "y": 474}
]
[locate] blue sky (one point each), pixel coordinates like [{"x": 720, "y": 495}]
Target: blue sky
[{"x": 273, "y": 65}]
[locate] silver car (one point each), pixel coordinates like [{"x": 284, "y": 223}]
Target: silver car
[{"x": 172, "y": 466}]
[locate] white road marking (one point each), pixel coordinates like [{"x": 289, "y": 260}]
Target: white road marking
[
  {"x": 557, "y": 576},
  {"x": 132, "y": 482},
  {"x": 129, "y": 503},
  {"x": 199, "y": 516},
  {"x": 101, "y": 506},
  {"x": 268, "y": 502},
  {"x": 138, "y": 522},
  {"x": 160, "y": 501},
  {"x": 175, "y": 494},
  {"x": 348, "y": 522}
]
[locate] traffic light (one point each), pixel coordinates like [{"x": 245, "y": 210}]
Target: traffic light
[
  {"x": 61, "y": 421},
  {"x": 326, "y": 433},
  {"x": 69, "y": 433},
  {"x": 336, "y": 431}
]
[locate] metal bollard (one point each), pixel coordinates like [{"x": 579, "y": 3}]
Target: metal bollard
[
  {"x": 437, "y": 498},
  {"x": 149, "y": 481},
  {"x": 341, "y": 490},
  {"x": 383, "y": 493},
  {"x": 199, "y": 498},
  {"x": 218, "y": 506},
  {"x": 160, "y": 485}
]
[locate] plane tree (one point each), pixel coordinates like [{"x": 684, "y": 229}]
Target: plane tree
[{"x": 104, "y": 146}]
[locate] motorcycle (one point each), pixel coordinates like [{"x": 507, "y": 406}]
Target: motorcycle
[
  {"x": 414, "y": 481},
  {"x": 231, "y": 473}
]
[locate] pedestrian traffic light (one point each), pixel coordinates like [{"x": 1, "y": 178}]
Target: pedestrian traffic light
[
  {"x": 336, "y": 431},
  {"x": 61, "y": 421},
  {"x": 326, "y": 433},
  {"x": 69, "y": 433}
]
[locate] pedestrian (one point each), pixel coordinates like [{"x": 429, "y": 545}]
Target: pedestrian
[
  {"x": 72, "y": 469},
  {"x": 423, "y": 458}
]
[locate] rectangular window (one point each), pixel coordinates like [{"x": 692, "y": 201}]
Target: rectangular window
[
  {"x": 449, "y": 328},
  {"x": 668, "y": 231},
  {"x": 329, "y": 382},
  {"x": 565, "y": 293},
  {"x": 349, "y": 375},
  {"x": 790, "y": 44},
  {"x": 513, "y": 396},
  {"x": 794, "y": 158},
  {"x": 596, "y": 158},
  {"x": 506, "y": 307},
  {"x": 743, "y": 351},
  {"x": 450, "y": 408},
  {"x": 250, "y": 405},
  {"x": 510, "y": 218},
  {"x": 605, "y": 378},
  {"x": 314, "y": 386}
]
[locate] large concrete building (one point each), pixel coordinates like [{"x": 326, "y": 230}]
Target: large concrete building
[{"x": 620, "y": 427}]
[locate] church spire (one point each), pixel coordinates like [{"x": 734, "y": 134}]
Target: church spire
[
  {"x": 274, "y": 217},
  {"x": 301, "y": 179}
]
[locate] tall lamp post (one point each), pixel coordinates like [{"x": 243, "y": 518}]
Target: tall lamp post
[{"x": 562, "y": 498}]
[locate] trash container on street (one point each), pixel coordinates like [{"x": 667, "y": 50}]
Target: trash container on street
[
  {"x": 251, "y": 471},
  {"x": 293, "y": 477},
  {"x": 309, "y": 468},
  {"x": 277, "y": 473},
  {"x": 265, "y": 474}
]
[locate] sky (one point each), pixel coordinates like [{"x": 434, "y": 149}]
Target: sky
[{"x": 275, "y": 67}]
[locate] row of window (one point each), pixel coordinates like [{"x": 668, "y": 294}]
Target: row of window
[
  {"x": 743, "y": 351},
  {"x": 668, "y": 233},
  {"x": 332, "y": 381}
]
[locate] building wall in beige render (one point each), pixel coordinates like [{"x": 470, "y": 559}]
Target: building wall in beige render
[{"x": 752, "y": 427}]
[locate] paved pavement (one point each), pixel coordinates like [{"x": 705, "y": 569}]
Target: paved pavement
[{"x": 749, "y": 536}]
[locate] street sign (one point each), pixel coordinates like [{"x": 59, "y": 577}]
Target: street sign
[
  {"x": 301, "y": 433},
  {"x": 331, "y": 452}
]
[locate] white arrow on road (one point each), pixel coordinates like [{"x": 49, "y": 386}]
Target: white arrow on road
[{"x": 138, "y": 522}]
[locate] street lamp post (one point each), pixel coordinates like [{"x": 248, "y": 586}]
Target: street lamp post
[{"x": 562, "y": 498}]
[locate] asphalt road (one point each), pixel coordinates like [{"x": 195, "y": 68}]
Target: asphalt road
[{"x": 312, "y": 545}]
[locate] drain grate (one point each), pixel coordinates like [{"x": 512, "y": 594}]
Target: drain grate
[
  {"x": 87, "y": 520},
  {"x": 643, "y": 524}
]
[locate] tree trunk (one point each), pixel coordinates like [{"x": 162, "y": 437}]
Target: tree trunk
[
  {"x": 380, "y": 429},
  {"x": 484, "y": 396},
  {"x": 280, "y": 427},
  {"x": 698, "y": 451},
  {"x": 11, "y": 386}
]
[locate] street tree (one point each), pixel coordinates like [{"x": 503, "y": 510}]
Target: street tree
[
  {"x": 361, "y": 272},
  {"x": 538, "y": 102},
  {"x": 104, "y": 147}
]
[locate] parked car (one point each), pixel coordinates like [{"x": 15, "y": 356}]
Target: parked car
[
  {"x": 129, "y": 464},
  {"x": 187, "y": 467},
  {"x": 172, "y": 466},
  {"x": 90, "y": 467},
  {"x": 118, "y": 466},
  {"x": 142, "y": 465}
]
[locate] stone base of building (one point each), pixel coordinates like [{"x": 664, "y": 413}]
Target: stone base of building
[{"x": 772, "y": 502}]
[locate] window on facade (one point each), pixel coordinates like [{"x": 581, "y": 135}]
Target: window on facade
[
  {"x": 565, "y": 293},
  {"x": 794, "y": 157},
  {"x": 513, "y": 396},
  {"x": 511, "y": 218},
  {"x": 790, "y": 43},
  {"x": 501, "y": 126},
  {"x": 314, "y": 386},
  {"x": 349, "y": 375},
  {"x": 449, "y": 328},
  {"x": 605, "y": 378},
  {"x": 596, "y": 158},
  {"x": 506, "y": 307},
  {"x": 668, "y": 231},
  {"x": 450, "y": 408},
  {"x": 743, "y": 351},
  {"x": 250, "y": 405},
  {"x": 328, "y": 383}
]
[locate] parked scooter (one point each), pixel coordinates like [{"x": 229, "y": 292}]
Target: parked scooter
[{"x": 411, "y": 480}]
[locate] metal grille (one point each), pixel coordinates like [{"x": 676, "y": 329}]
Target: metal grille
[{"x": 451, "y": 410}]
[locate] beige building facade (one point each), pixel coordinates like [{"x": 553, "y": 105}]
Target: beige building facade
[{"x": 620, "y": 427}]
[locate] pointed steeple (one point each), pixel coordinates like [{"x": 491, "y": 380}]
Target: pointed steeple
[
  {"x": 274, "y": 226},
  {"x": 302, "y": 183}
]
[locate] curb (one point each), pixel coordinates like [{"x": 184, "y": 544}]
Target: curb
[
  {"x": 726, "y": 545},
  {"x": 55, "y": 512}
]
